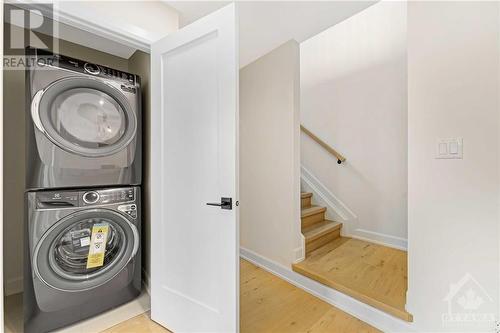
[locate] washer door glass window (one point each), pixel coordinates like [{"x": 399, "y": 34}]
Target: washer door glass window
[
  {"x": 60, "y": 258},
  {"x": 86, "y": 116}
]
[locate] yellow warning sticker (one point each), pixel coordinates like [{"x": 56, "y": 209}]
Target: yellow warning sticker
[{"x": 97, "y": 247}]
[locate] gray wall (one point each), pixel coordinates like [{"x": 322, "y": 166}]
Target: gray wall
[
  {"x": 14, "y": 148},
  {"x": 139, "y": 63}
]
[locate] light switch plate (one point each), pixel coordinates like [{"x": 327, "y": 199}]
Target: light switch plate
[{"x": 449, "y": 148}]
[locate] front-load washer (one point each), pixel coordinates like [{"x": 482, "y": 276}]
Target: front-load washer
[
  {"x": 83, "y": 123},
  {"x": 82, "y": 254}
]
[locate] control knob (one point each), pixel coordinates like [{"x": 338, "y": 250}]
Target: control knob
[
  {"x": 91, "y": 197},
  {"x": 91, "y": 68}
]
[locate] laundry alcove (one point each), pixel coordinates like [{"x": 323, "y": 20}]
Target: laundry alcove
[{"x": 72, "y": 31}]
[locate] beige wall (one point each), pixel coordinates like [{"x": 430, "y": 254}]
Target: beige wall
[
  {"x": 14, "y": 154},
  {"x": 453, "y": 205},
  {"x": 269, "y": 156},
  {"x": 354, "y": 96},
  {"x": 139, "y": 63}
]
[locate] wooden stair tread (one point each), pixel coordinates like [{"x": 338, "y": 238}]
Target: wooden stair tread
[
  {"x": 370, "y": 273},
  {"x": 313, "y": 210},
  {"x": 319, "y": 229}
]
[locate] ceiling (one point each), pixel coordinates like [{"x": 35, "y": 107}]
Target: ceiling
[
  {"x": 264, "y": 25},
  {"x": 111, "y": 26}
]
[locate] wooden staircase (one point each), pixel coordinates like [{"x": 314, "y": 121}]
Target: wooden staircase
[
  {"x": 373, "y": 274},
  {"x": 317, "y": 230}
]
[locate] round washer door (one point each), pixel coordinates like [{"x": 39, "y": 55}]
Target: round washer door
[
  {"x": 84, "y": 116},
  {"x": 60, "y": 257}
]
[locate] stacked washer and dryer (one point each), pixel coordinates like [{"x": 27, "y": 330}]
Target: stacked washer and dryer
[{"x": 83, "y": 212}]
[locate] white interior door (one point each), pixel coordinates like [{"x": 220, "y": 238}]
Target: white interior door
[{"x": 194, "y": 246}]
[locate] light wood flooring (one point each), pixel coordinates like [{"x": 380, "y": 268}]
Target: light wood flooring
[
  {"x": 371, "y": 273},
  {"x": 270, "y": 304},
  {"x": 139, "y": 324}
]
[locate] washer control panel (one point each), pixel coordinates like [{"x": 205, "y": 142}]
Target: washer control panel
[
  {"x": 108, "y": 196},
  {"x": 124, "y": 197},
  {"x": 57, "y": 199},
  {"x": 130, "y": 210}
]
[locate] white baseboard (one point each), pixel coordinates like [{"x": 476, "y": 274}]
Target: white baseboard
[
  {"x": 364, "y": 312},
  {"x": 381, "y": 239},
  {"x": 13, "y": 286},
  {"x": 300, "y": 252}
]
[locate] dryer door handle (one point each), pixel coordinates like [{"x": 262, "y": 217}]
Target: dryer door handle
[{"x": 35, "y": 110}]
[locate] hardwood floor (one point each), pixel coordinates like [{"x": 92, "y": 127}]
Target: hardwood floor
[
  {"x": 267, "y": 304},
  {"x": 371, "y": 273},
  {"x": 139, "y": 324},
  {"x": 270, "y": 304}
]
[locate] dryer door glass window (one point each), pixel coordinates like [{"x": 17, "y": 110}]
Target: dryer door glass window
[
  {"x": 85, "y": 116},
  {"x": 88, "y": 118},
  {"x": 60, "y": 257}
]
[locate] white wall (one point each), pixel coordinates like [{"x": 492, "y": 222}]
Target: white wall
[
  {"x": 453, "y": 215},
  {"x": 354, "y": 97},
  {"x": 269, "y": 157}
]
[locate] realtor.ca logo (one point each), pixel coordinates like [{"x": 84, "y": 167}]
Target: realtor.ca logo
[
  {"x": 467, "y": 301},
  {"x": 27, "y": 27}
]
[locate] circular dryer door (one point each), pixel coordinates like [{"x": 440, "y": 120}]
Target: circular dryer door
[
  {"x": 60, "y": 257},
  {"x": 85, "y": 116}
]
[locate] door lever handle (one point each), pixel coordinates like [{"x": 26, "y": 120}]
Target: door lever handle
[{"x": 225, "y": 203}]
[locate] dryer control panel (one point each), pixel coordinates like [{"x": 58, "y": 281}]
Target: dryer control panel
[{"x": 46, "y": 58}]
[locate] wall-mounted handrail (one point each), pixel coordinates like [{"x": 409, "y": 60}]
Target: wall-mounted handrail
[{"x": 323, "y": 144}]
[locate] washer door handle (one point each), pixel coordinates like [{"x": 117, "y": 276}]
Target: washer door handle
[{"x": 136, "y": 240}]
